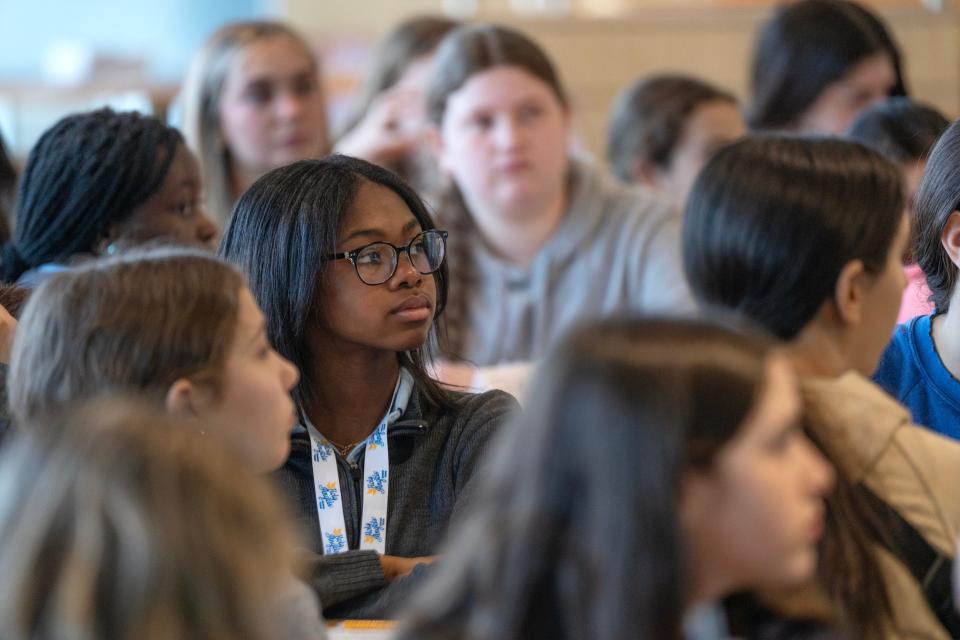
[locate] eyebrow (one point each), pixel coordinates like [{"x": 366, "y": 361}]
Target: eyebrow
[
  {"x": 379, "y": 233},
  {"x": 263, "y": 76}
]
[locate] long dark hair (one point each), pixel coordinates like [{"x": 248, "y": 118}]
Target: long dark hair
[
  {"x": 937, "y": 199},
  {"x": 615, "y": 416},
  {"x": 770, "y": 224},
  {"x": 85, "y": 172},
  {"x": 901, "y": 129},
  {"x": 772, "y": 221},
  {"x": 462, "y": 54},
  {"x": 279, "y": 233},
  {"x": 8, "y": 186},
  {"x": 806, "y": 46}
]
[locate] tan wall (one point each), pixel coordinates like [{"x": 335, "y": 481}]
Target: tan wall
[{"x": 598, "y": 57}]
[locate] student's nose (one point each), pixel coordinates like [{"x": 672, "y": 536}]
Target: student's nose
[
  {"x": 290, "y": 374},
  {"x": 507, "y": 133},
  {"x": 288, "y": 105},
  {"x": 820, "y": 475},
  {"x": 206, "y": 230},
  {"x": 406, "y": 274}
]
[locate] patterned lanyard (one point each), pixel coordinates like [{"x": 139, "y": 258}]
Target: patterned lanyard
[{"x": 376, "y": 473}]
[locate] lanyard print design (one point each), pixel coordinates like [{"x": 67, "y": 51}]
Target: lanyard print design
[{"x": 376, "y": 480}]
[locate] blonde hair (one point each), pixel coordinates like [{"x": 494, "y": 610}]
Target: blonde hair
[
  {"x": 117, "y": 522},
  {"x": 202, "y": 90},
  {"x": 131, "y": 324}
]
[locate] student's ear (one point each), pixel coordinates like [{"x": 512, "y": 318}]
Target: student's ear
[
  {"x": 185, "y": 399},
  {"x": 435, "y": 142},
  {"x": 848, "y": 294},
  {"x": 646, "y": 174},
  {"x": 950, "y": 238}
]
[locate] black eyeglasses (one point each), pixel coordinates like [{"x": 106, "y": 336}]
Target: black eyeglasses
[{"x": 376, "y": 262}]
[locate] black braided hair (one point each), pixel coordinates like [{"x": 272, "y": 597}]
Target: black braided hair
[{"x": 86, "y": 172}]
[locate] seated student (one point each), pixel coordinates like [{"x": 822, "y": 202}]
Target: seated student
[
  {"x": 659, "y": 466},
  {"x": 388, "y": 124},
  {"x": 921, "y": 366},
  {"x": 539, "y": 241},
  {"x": 349, "y": 269},
  {"x": 663, "y": 128},
  {"x": 805, "y": 237},
  {"x": 817, "y": 64},
  {"x": 252, "y": 101},
  {"x": 176, "y": 326},
  {"x": 138, "y": 530},
  {"x": 98, "y": 182},
  {"x": 904, "y": 131}
]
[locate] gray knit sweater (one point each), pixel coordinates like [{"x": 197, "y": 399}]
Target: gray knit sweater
[
  {"x": 617, "y": 250},
  {"x": 434, "y": 453}
]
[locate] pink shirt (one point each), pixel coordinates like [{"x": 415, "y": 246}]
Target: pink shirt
[{"x": 915, "y": 295}]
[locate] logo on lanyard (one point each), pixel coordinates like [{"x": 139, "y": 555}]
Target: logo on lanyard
[{"x": 376, "y": 471}]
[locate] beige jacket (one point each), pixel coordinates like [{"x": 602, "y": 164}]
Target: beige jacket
[{"x": 871, "y": 438}]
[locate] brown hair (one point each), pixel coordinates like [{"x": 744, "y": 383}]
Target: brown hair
[
  {"x": 135, "y": 323},
  {"x": 202, "y": 90},
  {"x": 140, "y": 529},
  {"x": 662, "y": 397},
  {"x": 410, "y": 40},
  {"x": 464, "y": 53},
  {"x": 13, "y": 298},
  {"x": 649, "y": 117}
]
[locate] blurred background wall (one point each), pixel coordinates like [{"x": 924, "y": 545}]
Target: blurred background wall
[{"x": 57, "y": 55}]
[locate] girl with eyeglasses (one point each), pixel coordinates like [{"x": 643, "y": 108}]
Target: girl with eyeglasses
[{"x": 349, "y": 269}]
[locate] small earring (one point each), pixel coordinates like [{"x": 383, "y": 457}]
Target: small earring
[{"x": 111, "y": 249}]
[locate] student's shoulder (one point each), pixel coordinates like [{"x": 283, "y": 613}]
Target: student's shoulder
[
  {"x": 466, "y": 410},
  {"x": 899, "y": 365}
]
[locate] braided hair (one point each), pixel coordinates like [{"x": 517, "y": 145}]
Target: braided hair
[{"x": 87, "y": 171}]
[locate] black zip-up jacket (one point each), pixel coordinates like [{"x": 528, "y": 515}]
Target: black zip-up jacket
[{"x": 434, "y": 454}]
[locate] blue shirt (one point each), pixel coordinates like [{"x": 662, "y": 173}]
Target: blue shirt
[{"x": 911, "y": 371}]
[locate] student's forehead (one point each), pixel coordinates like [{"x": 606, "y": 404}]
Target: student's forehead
[
  {"x": 184, "y": 166},
  {"x": 377, "y": 206},
  {"x": 272, "y": 57}
]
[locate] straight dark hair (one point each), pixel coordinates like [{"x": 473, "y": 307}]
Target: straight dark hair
[
  {"x": 772, "y": 221},
  {"x": 574, "y": 531},
  {"x": 648, "y": 120},
  {"x": 770, "y": 224},
  {"x": 279, "y": 233},
  {"x": 8, "y": 187},
  {"x": 899, "y": 128},
  {"x": 806, "y": 46},
  {"x": 937, "y": 199}
]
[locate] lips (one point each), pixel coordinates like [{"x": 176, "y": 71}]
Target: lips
[
  {"x": 414, "y": 309},
  {"x": 817, "y": 525},
  {"x": 513, "y": 166}
]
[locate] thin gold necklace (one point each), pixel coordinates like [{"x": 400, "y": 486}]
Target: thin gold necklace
[{"x": 344, "y": 449}]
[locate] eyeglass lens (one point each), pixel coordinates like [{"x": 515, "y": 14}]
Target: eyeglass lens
[{"x": 377, "y": 262}]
